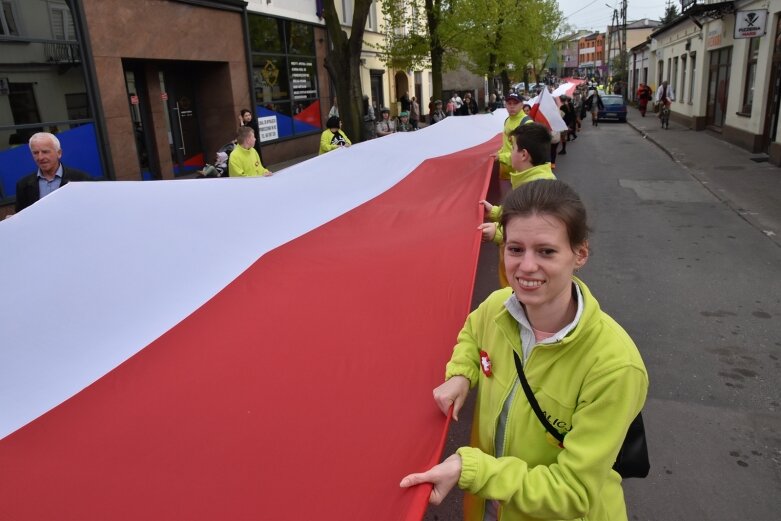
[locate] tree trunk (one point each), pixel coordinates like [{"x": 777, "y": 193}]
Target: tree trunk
[
  {"x": 433, "y": 12},
  {"x": 343, "y": 64}
]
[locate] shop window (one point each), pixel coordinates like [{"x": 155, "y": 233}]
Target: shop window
[
  {"x": 77, "y": 106},
  {"x": 23, "y": 103},
  {"x": 270, "y": 78},
  {"x": 751, "y": 73},
  {"x": 9, "y": 25},
  {"x": 301, "y": 38},
  {"x": 266, "y": 34},
  {"x": 285, "y": 81}
]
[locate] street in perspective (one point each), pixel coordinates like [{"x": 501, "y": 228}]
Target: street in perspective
[{"x": 686, "y": 257}]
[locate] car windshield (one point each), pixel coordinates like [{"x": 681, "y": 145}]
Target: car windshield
[{"x": 613, "y": 101}]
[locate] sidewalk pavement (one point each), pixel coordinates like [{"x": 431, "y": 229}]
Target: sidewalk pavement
[{"x": 745, "y": 182}]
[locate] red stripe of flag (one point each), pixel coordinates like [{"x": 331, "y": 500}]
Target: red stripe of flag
[{"x": 300, "y": 391}]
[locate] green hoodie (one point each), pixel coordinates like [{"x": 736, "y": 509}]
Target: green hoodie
[
  {"x": 542, "y": 171},
  {"x": 591, "y": 384}
]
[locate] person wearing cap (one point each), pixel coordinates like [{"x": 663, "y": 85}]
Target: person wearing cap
[
  {"x": 385, "y": 125},
  {"x": 437, "y": 114},
  {"x": 404, "y": 124},
  {"x": 516, "y": 116},
  {"x": 333, "y": 137}
]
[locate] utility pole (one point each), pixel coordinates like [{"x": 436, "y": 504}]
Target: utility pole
[{"x": 624, "y": 60}]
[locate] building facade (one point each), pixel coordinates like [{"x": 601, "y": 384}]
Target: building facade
[
  {"x": 152, "y": 89},
  {"x": 637, "y": 32},
  {"x": 591, "y": 56},
  {"x": 724, "y": 62}
]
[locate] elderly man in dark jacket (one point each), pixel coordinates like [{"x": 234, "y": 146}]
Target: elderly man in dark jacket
[{"x": 51, "y": 174}]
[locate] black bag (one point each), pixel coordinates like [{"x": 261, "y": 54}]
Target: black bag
[{"x": 632, "y": 460}]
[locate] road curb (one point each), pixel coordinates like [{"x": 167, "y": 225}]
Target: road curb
[{"x": 657, "y": 143}]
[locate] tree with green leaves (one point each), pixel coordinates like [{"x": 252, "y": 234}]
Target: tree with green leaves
[
  {"x": 670, "y": 13},
  {"x": 343, "y": 64},
  {"x": 488, "y": 37},
  {"x": 507, "y": 36},
  {"x": 419, "y": 35}
]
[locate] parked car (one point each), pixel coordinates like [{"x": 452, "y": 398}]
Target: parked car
[{"x": 615, "y": 108}]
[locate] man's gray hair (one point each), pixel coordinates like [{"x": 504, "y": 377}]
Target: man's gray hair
[{"x": 45, "y": 135}]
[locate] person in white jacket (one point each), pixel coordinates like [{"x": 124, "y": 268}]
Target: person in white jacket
[{"x": 665, "y": 94}]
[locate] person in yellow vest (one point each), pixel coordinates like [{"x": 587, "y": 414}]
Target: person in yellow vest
[
  {"x": 585, "y": 371},
  {"x": 516, "y": 116},
  {"x": 530, "y": 161},
  {"x": 244, "y": 160},
  {"x": 333, "y": 136}
]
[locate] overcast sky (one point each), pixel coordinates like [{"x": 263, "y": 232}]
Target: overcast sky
[{"x": 595, "y": 14}]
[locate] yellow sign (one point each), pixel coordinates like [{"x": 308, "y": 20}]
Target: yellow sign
[{"x": 270, "y": 73}]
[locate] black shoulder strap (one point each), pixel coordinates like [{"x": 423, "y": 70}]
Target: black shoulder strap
[{"x": 533, "y": 401}]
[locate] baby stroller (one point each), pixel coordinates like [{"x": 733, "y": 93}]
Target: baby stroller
[{"x": 221, "y": 160}]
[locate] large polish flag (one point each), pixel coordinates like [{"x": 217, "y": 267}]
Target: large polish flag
[{"x": 240, "y": 348}]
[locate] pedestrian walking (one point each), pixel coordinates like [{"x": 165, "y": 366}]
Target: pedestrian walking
[{"x": 414, "y": 113}]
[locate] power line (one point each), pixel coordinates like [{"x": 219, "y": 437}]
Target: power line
[{"x": 579, "y": 10}]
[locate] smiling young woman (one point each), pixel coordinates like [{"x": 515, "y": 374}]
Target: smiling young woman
[{"x": 582, "y": 367}]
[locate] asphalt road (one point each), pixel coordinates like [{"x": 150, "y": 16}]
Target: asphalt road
[{"x": 699, "y": 289}]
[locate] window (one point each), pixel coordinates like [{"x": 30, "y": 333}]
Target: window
[
  {"x": 693, "y": 75},
  {"x": 8, "y": 19},
  {"x": 683, "y": 77},
  {"x": 62, "y": 23},
  {"x": 284, "y": 77},
  {"x": 371, "y": 21},
  {"x": 674, "y": 80},
  {"x": 751, "y": 73},
  {"x": 669, "y": 68},
  {"x": 347, "y": 12},
  {"x": 300, "y": 39},
  {"x": 660, "y": 69}
]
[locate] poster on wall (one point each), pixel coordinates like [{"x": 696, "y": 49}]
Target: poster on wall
[
  {"x": 302, "y": 79},
  {"x": 267, "y": 128},
  {"x": 750, "y": 24}
]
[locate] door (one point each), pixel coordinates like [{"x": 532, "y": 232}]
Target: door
[
  {"x": 718, "y": 86},
  {"x": 140, "y": 115},
  {"x": 774, "y": 94},
  {"x": 376, "y": 86},
  {"x": 184, "y": 135}
]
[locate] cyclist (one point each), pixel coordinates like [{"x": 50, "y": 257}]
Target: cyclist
[{"x": 665, "y": 96}]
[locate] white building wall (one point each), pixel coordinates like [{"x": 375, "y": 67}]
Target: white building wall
[{"x": 681, "y": 40}]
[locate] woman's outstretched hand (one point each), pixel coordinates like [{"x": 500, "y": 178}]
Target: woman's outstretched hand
[
  {"x": 452, "y": 393},
  {"x": 443, "y": 476}
]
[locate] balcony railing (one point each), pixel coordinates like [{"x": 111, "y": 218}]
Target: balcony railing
[{"x": 62, "y": 52}]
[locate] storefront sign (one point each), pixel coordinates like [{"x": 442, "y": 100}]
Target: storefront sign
[
  {"x": 267, "y": 128},
  {"x": 302, "y": 79},
  {"x": 714, "y": 35},
  {"x": 750, "y": 24}
]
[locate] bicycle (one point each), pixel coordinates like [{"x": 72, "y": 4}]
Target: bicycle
[{"x": 664, "y": 116}]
